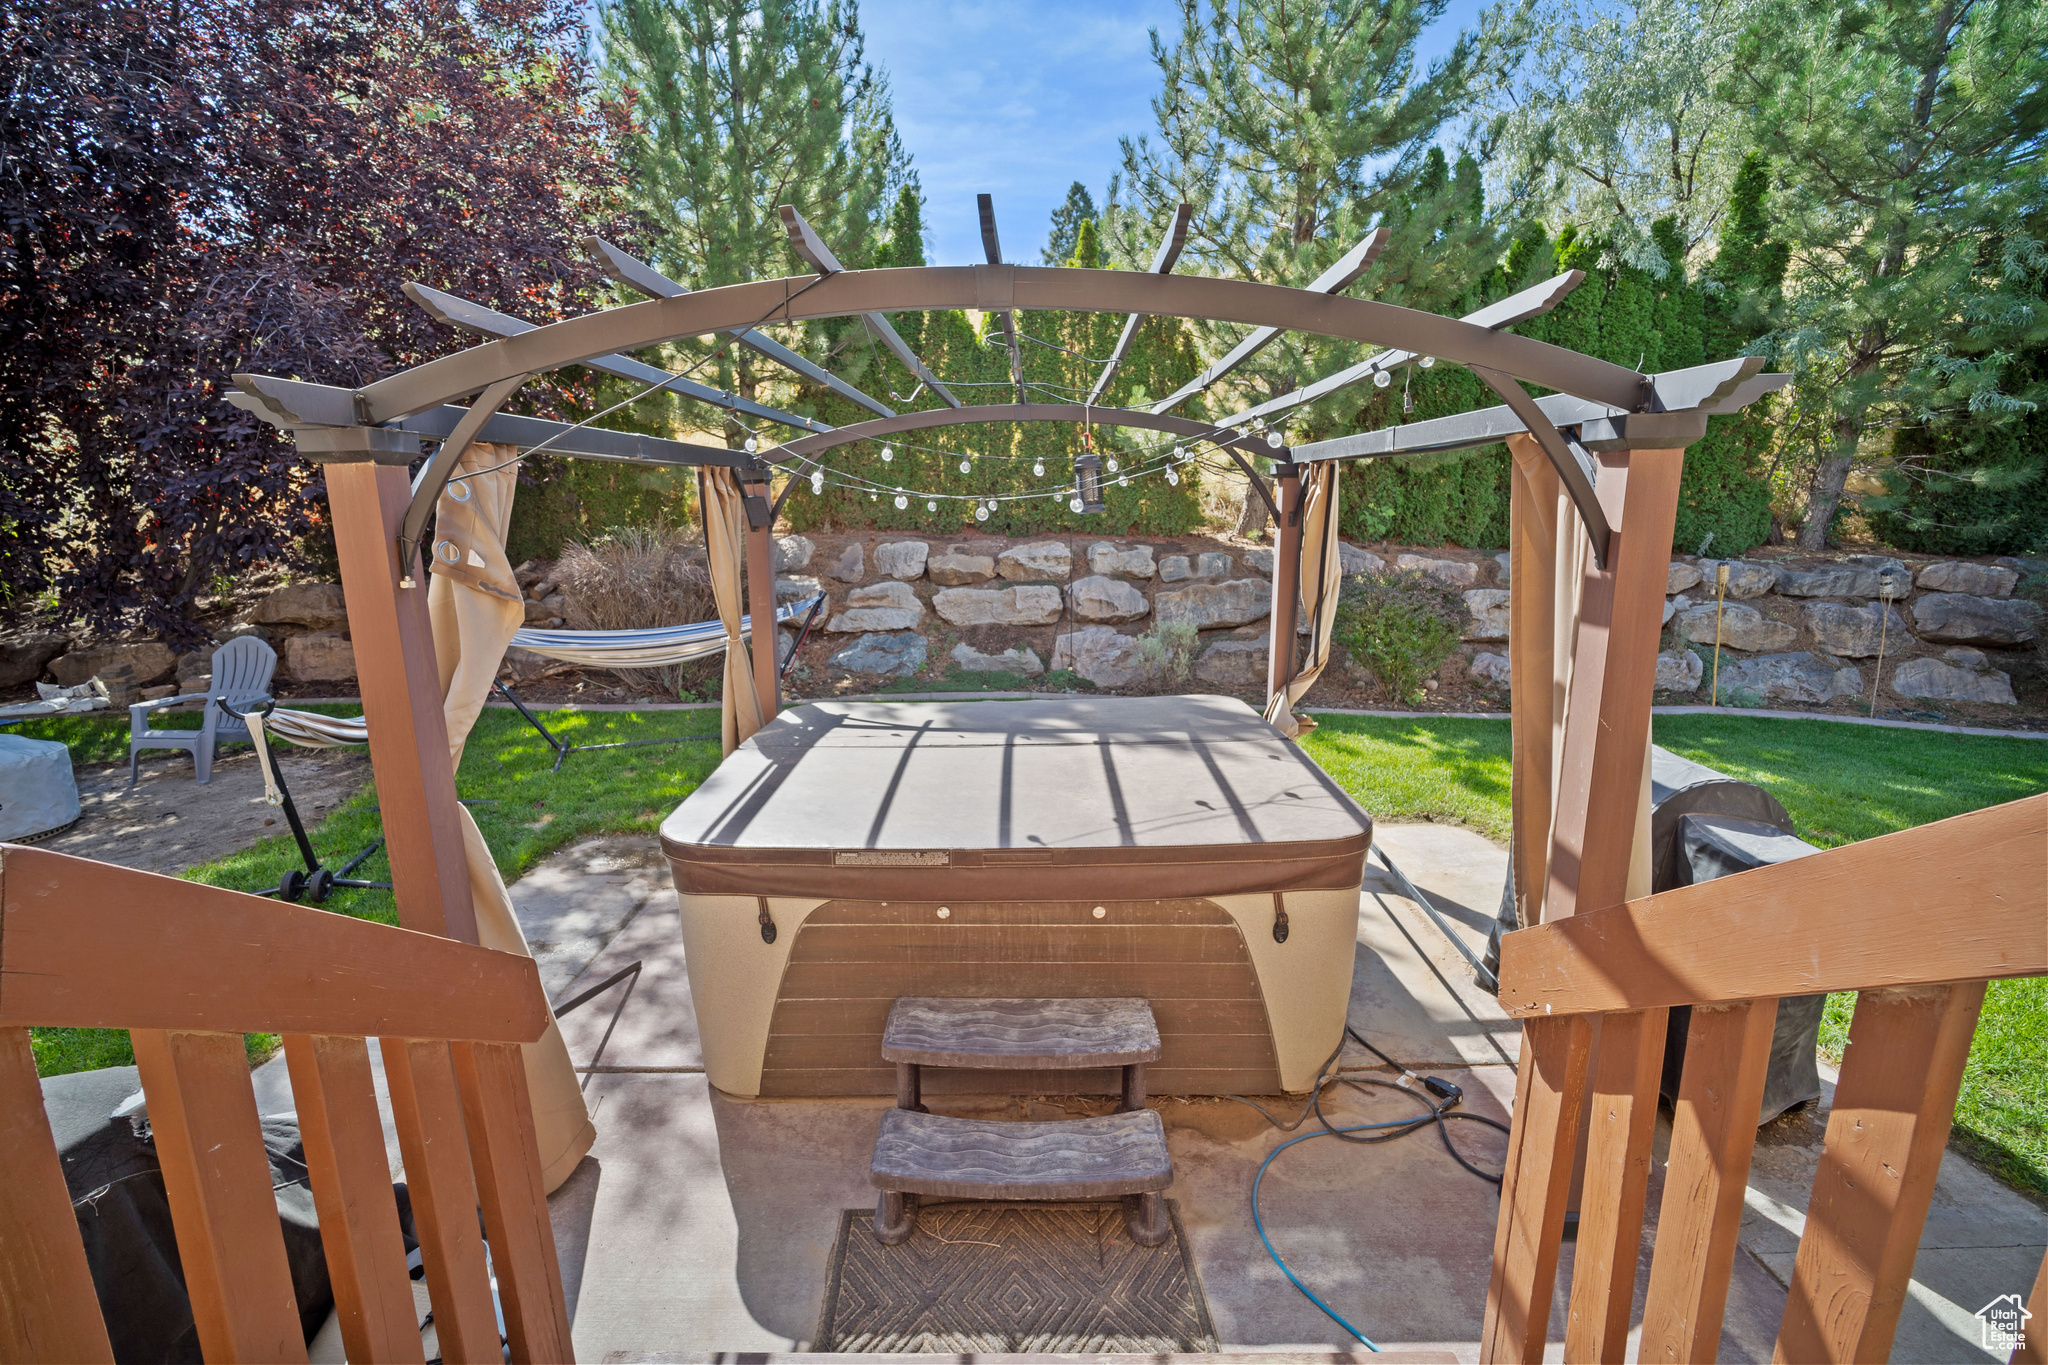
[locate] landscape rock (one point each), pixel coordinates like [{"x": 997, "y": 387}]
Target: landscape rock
[
  {"x": 1214, "y": 564},
  {"x": 1233, "y": 663},
  {"x": 852, "y": 565},
  {"x": 1488, "y": 608},
  {"x": 1964, "y": 657},
  {"x": 1863, "y": 576},
  {"x": 1855, "y": 632},
  {"x": 1023, "y": 662},
  {"x": 1176, "y": 569},
  {"x": 1674, "y": 605},
  {"x": 1456, "y": 572},
  {"x": 1961, "y": 618},
  {"x": 1979, "y": 580},
  {"x": 1098, "y": 599},
  {"x": 1497, "y": 669},
  {"x": 524, "y": 664},
  {"x": 1351, "y": 560},
  {"x": 793, "y": 552},
  {"x": 320, "y": 656},
  {"x": 883, "y": 656},
  {"x": 1744, "y": 579},
  {"x": 1789, "y": 677},
  {"x": 955, "y": 569},
  {"x": 1209, "y": 606},
  {"x": 796, "y": 587},
  {"x": 1939, "y": 681},
  {"x": 140, "y": 664},
  {"x": 1101, "y": 655},
  {"x": 1036, "y": 604},
  {"x": 1680, "y": 576},
  {"x": 902, "y": 558},
  {"x": 197, "y": 663},
  {"x": 1134, "y": 560},
  {"x": 879, "y": 606},
  {"x": 537, "y": 613},
  {"x": 1679, "y": 671},
  {"x": 23, "y": 656},
  {"x": 1259, "y": 560},
  {"x": 316, "y": 606},
  {"x": 1038, "y": 560},
  {"x": 1504, "y": 567},
  {"x": 1743, "y": 628}
]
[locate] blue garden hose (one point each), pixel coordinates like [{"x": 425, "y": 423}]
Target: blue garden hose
[{"x": 1258, "y": 1223}]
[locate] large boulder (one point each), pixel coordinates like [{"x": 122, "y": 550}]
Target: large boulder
[
  {"x": 1790, "y": 677},
  {"x": 1744, "y": 579},
  {"x": 1855, "y": 632},
  {"x": 1495, "y": 669},
  {"x": 793, "y": 552},
  {"x": 320, "y": 656},
  {"x": 1979, "y": 580},
  {"x": 1743, "y": 628},
  {"x": 1211, "y": 606},
  {"x": 1678, "y": 671},
  {"x": 23, "y": 656},
  {"x": 1488, "y": 609},
  {"x": 1351, "y": 560},
  {"x": 1135, "y": 561},
  {"x": 956, "y": 568},
  {"x": 1258, "y": 560},
  {"x": 852, "y": 565},
  {"x": 1099, "y": 600},
  {"x": 1024, "y": 662},
  {"x": 883, "y": 656},
  {"x": 1101, "y": 655},
  {"x": 796, "y": 587},
  {"x": 1680, "y": 576},
  {"x": 138, "y": 664},
  {"x": 1938, "y": 680},
  {"x": 1233, "y": 663},
  {"x": 1456, "y": 572},
  {"x": 1181, "y": 568},
  {"x": 879, "y": 606},
  {"x": 1965, "y": 619},
  {"x": 316, "y": 606},
  {"x": 1859, "y": 576},
  {"x": 1039, "y": 560},
  {"x": 902, "y": 558},
  {"x": 1034, "y": 604},
  {"x": 1504, "y": 568}
]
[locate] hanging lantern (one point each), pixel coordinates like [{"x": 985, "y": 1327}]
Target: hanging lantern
[{"x": 1088, "y": 482}]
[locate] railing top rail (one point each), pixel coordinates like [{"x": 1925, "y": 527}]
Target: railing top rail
[
  {"x": 1962, "y": 899},
  {"x": 87, "y": 944}
]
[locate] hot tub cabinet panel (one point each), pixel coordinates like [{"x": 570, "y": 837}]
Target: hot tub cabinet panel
[{"x": 1100, "y": 847}]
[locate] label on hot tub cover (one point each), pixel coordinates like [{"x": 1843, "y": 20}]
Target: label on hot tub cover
[{"x": 891, "y": 858}]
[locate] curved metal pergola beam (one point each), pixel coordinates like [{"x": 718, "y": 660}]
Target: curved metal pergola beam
[
  {"x": 817, "y": 443},
  {"x": 993, "y": 288}
]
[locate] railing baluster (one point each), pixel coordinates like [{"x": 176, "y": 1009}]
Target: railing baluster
[
  {"x": 1713, "y": 1133},
  {"x": 1624, "y": 1121},
  {"x": 432, "y": 1139},
  {"x": 48, "y": 1310},
  {"x": 217, "y": 1180},
  {"x": 506, "y": 1156},
  {"x": 1885, "y": 1138},
  {"x": 1550, "y": 1088},
  {"x": 337, "y": 1104}
]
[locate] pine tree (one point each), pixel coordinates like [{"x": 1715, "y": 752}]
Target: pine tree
[{"x": 1066, "y": 223}]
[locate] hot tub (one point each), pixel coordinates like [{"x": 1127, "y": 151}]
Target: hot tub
[{"x": 1174, "y": 848}]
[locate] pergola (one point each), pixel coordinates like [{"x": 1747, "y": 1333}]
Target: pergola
[{"x": 1597, "y": 464}]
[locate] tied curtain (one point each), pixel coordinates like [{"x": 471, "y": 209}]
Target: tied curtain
[
  {"x": 1321, "y": 581},
  {"x": 725, "y": 547},
  {"x": 475, "y": 604}
]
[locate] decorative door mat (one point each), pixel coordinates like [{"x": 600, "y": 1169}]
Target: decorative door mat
[{"x": 1011, "y": 1278}]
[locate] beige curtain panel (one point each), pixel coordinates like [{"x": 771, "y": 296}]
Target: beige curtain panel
[
  {"x": 1321, "y": 581},
  {"x": 725, "y": 544},
  {"x": 475, "y": 605}
]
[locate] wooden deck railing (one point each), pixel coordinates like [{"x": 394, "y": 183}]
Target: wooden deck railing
[
  {"x": 189, "y": 969},
  {"x": 1916, "y": 922}
]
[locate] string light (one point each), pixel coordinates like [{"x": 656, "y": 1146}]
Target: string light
[
  {"x": 1427, "y": 361},
  {"x": 901, "y": 502},
  {"x": 1173, "y": 477},
  {"x": 1273, "y": 438},
  {"x": 931, "y": 504},
  {"x": 1038, "y": 469},
  {"x": 981, "y": 514},
  {"x": 752, "y": 445},
  {"x": 966, "y": 466},
  {"x": 1112, "y": 464},
  {"x": 887, "y": 454},
  {"x": 817, "y": 482},
  {"x": 1380, "y": 379}
]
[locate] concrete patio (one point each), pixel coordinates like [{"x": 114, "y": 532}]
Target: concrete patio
[{"x": 700, "y": 1223}]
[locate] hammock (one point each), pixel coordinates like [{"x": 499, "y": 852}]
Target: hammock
[{"x": 653, "y": 648}]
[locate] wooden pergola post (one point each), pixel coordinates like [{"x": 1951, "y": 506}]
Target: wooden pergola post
[{"x": 1286, "y": 581}]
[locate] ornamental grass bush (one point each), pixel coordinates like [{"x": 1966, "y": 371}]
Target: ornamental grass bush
[
  {"x": 637, "y": 578},
  {"x": 1400, "y": 624},
  {"x": 1168, "y": 653}
]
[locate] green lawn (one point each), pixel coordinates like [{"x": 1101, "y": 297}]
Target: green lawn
[{"x": 1841, "y": 783}]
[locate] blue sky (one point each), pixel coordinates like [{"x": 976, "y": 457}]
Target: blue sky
[{"x": 1019, "y": 100}]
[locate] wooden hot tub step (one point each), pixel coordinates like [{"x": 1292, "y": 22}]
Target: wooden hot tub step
[
  {"x": 1122, "y": 1154},
  {"x": 1023, "y": 1035}
]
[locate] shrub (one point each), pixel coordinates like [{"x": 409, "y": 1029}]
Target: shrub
[
  {"x": 633, "y": 579},
  {"x": 1168, "y": 651},
  {"x": 1401, "y": 625}
]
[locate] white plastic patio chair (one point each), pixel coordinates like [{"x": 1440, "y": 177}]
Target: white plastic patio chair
[{"x": 241, "y": 673}]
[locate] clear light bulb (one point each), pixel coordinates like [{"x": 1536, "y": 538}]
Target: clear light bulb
[
  {"x": 872, "y": 496},
  {"x": 1173, "y": 478},
  {"x": 752, "y": 445},
  {"x": 817, "y": 481},
  {"x": 887, "y": 454},
  {"x": 901, "y": 502},
  {"x": 931, "y": 504},
  {"x": 1123, "y": 481},
  {"x": 1427, "y": 361},
  {"x": 1074, "y": 505},
  {"x": 1273, "y": 439},
  {"x": 1038, "y": 468},
  {"x": 965, "y": 466},
  {"x": 981, "y": 514},
  {"x": 1111, "y": 462},
  {"x": 1380, "y": 379},
  {"x": 1180, "y": 453}
]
